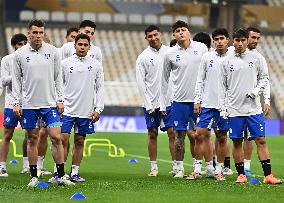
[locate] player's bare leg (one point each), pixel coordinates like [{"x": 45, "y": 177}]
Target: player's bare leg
[
  {"x": 77, "y": 156},
  {"x": 179, "y": 150},
  {"x": 191, "y": 137},
  {"x": 247, "y": 147},
  {"x": 4, "y": 149},
  {"x": 171, "y": 136},
  {"x": 152, "y": 150},
  {"x": 26, "y": 167},
  {"x": 42, "y": 149}
]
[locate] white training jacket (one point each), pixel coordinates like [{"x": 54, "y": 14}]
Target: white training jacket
[
  {"x": 207, "y": 84},
  {"x": 266, "y": 90},
  {"x": 68, "y": 49},
  {"x": 6, "y": 78},
  {"x": 241, "y": 75},
  {"x": 182, "y": 64},
  {"x": 83, "y": 80},
  {"x": 149, "y": 66},
  {"x": 37, "y": 77}
]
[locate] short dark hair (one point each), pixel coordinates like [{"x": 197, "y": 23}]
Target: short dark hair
[
  {"x": 151, "y": 28},
  {"x": 204, "y": 38},
  {"x": 253, "y": 29},
  {"x": 87, "y": 23},
  {"x": 173, "y": 42},
  {"x": 18, "y": 38},
  {"x": 179, "y": 24},
  {"x": 220, "y": 31},
  {"x": 240, "y": 33},
  {"x": 71, "y": 29},
  {"x": 37, "y": 23},
  {"x": 82, "y": 36}
]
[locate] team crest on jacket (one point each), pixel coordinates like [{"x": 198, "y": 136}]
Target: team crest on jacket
[
  {"x": 251, "y": 64},
  {"x": 195, "y": 52},
  {"x": 178, "y": 58},
  {"x": 47, "y": 56},
  {"x": 231, "y": 68},
  {"x": 152, "y": 62}
]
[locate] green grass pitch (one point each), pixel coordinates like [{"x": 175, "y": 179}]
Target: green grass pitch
[{"x": 115, "y": 180}]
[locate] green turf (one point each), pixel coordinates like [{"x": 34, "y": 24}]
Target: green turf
[{"x": 116, "y": 180}]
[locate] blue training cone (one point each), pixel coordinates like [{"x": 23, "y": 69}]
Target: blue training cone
[
  {"x": 77, "y": 196},
  {"x": 132, "y": 161},
  {"x": 42, "y": 185},
  {"x": 14, "y": 161},
  {"x": 254, "y": 182}
]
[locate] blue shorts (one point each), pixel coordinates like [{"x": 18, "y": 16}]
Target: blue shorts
[
  {"x": 183, "y": 113},
  {"x": 167, "y": 120},
  {"x": 10, "y": 118},
  {"x": 82, "y": 126},
  {"x": 48, "y": 116},
  {"x": 254, "y": 123},
  {"x": 209, "y": 116},
  {"x": 153, "y": 119}
]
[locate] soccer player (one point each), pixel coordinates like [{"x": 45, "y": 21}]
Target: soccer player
[
  {"x": 149, "y": 66},
  {"x": 243, "y": 77},
  {"x": 254, "y": 37},
  {"x": 10, "y": 119},
  {"x": 36, "y": 84},
  {"x": 207, "y": 106},
  {"x": 71, "y": 34},
  {"x": 86, "y": 27},
  {"x": 181, "y": 62},
  {"x": 83, "y": 81}
]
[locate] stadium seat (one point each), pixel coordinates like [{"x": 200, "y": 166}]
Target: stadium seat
[
  {"x": 120, "y": 18},
  {"x": 58, "y": 16},
  {"x": 104, "y": 18},
  {"x": 135, "y": 19},
  {"x": 42, "y": 15},
  {"x": 73, "y": 17},
  {"x": 166, "y": 20},
  {"x": 26, "y": 15},
  {"x": 151, "y": 19},
  {"x": 89, "y": 16},
  {"x": 181, "y": 17},
  {"x": 197, "y": 21}
]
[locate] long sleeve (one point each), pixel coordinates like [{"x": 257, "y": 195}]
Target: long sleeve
[
  {"x": 99, "y": 91},
  {"x": 266, "y": 91},
  {"x": 222, "y": 87},
  {"x": 5, "y": 73},
  {"x": 140, "y": 78},
  {"x": 165, "y": 83},
  {"x": 58, "y": 77},
  {"x": 199, "y": 87},
  {"x": 17, "y": 80},
  {"x": 263, "y": 78}
]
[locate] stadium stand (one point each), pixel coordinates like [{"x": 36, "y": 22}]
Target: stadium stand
[{"x": 275, "y": 2}]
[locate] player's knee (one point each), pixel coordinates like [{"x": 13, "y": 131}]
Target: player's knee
[
  {"x": 79, "y": 142},
  {"x": 222, "y": 139},
  {"x": 32, "y": 139},
  {"x": 260, "y": 141},
  {"x": 237, "y": 143},
  {"x": 56, "y": 140}
]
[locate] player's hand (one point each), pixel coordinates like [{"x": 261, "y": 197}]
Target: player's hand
[
  {"x": 266, "y": 110},
  {"x": 164, "y": 113},
  {"x": 224, "y": 114},
  {"x": 60, "y": 107},
  {"x": 95, "y": 117},
  {"x": 197, "y": 108},
  {"x": 18, "y": 110}
]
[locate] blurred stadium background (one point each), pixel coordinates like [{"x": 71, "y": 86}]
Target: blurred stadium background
[{"x": 120, "y": 35}]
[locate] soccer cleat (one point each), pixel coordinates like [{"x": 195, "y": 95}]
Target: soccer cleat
[
  {"x": 179, "y": 174},
  {"x": 219, "y": 177},
  {"x": 270, "y": 179},
  {"x": 33, "y": 182},
  {"x": 3, "y": 173},
  {"x": 194, "y": 176},
  {"x": 65, "y": 180},
  {"x": 77, "y": 178},
  {"x": 210, "y": 173},
  {"x": 153, "y": 173},
  {"x": 227, "y": 171},
  {"x": 43, "y": 172},
  {"x": 241, "y": 179},
  {"x": 248, "y": 173},
  {"x": 25, "y": 170},
  {"x": 54, "y": 178}
]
